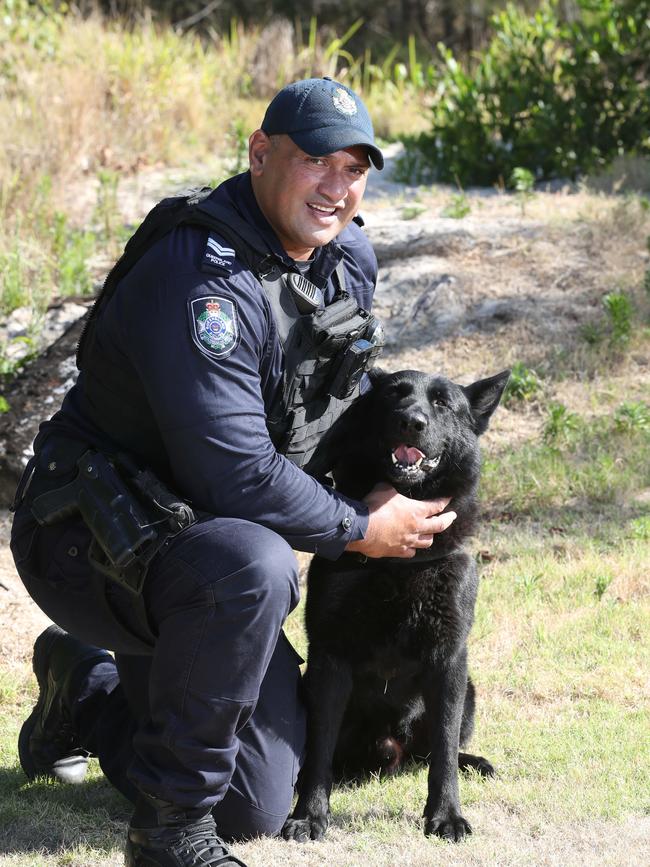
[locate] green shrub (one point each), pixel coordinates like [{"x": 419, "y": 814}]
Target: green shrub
[
  {"x": 556, "y": 97},
  {"x": 524, "y": 384}
]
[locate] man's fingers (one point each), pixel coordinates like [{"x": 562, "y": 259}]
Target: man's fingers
[
  {"x": 434, "y": 507},
  {"x": 438, "y": 523}
]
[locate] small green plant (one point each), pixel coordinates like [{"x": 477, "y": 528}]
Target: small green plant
[
  {"x": 632, "y": 416},
  {"x": 619, "y": 309},
  {"x": 528, "y": 582},
  {"x": 237, "y": 139},
  {"x": 13, "y": 288},
  {"x": 106, "y": 211},
  {"x": 561, "y": 425},
  {"x": 71, "y": 250},
  {"x": 523, "y": 384},
  {"x": 523, "y": 182},
  {"x": 602, "y": 583},
  {"x": 410, "y": 212},
  {"x": 4, "y": 405},
  {"x": 591, "y": 333},
  {"x": 640, "y": 527},
  {"x": 458, "y": 206}
]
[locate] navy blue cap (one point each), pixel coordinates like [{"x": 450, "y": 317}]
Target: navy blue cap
[{"x": 322, "y": 116}]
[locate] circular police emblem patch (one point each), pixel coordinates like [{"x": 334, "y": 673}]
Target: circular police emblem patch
[
  {"x": 344, "y": 102},
  {"x": 214, "y": 324}
]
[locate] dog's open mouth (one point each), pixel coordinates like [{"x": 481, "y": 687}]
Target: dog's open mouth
[{"x": 409, "y": 462}]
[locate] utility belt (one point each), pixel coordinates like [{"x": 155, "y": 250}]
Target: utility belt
[{"x": 130, "y": 512}]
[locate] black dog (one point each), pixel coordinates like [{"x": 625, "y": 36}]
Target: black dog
[{"x": 387, "y": 669}]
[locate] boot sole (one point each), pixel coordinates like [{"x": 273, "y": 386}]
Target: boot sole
[
  {"x": 42, "y": 647},
  {"x": 69, "y": 769}
]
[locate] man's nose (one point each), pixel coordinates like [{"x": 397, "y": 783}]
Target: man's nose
[{"x": 334, "y": 186}]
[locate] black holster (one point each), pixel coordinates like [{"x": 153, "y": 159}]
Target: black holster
[{"x": 130, "y": 513}]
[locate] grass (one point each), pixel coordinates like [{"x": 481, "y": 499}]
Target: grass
[{"x": 559, "y": 653}]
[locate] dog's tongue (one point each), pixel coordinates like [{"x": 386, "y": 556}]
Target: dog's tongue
[{"x": 408, "y": 454}]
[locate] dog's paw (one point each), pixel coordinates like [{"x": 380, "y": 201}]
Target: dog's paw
[
  {"x": 466, "y": 762},
  {"x": 452, "y": 827},
  {"x": 303, "y": 830}
]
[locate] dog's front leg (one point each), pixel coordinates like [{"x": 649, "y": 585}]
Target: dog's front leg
[
  {"x": 444, "y": 694},
  {"x": 328, "y": 685}
]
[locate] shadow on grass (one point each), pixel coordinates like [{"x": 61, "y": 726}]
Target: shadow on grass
[{"x": 49, "y": 818}]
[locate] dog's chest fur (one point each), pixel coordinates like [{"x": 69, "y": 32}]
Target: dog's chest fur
[{"x": 379, "y": 616}]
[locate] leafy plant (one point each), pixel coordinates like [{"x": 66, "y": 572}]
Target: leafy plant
[
  {"x": 4, "y": 405},
  {"x": 523, "y": 384},
  {"x": 523, "y": 182},
  {"x": 632, "y": 416},
  {"x": 560, "y": 425},
  {"x": 409, "y": 212},
  {"x": 602, "y": 583},
  {"x": 458, "y": 207},
  {"x": 618, "y": 306}
]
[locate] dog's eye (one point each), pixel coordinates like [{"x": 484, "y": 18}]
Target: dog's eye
[
  {"x": 438, "y": 401},
  {"x": 399, "y": 390}
]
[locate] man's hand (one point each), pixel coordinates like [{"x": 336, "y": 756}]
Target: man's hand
[{"x": 398, "y": 526}]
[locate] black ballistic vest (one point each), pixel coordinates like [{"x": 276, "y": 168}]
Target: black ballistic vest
[{"x": 326, "y": 349}]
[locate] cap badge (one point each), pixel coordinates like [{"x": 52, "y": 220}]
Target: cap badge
[{"x": 344, "y": 102}]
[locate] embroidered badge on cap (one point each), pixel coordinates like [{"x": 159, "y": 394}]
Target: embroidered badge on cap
[
  {"x": 218, "y": 257},
  {"x": 215, "y": 329},
  {"x": 344, "y": 102}
]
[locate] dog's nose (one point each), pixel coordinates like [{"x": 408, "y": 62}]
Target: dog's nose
[{"x": 412, "y": 421}]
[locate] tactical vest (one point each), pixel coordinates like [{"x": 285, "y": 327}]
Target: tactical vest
[{"x": 326, "y": 349}]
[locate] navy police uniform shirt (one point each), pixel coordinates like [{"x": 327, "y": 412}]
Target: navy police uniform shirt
[{"x": 190, "y": 365}]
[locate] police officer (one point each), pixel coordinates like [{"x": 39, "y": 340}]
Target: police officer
[{"x": 197, "y": 716}]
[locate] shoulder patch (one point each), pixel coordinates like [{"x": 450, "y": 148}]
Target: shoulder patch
[
  {"x": 214, "y": 325},
  {"x": 218, "y": 257}
]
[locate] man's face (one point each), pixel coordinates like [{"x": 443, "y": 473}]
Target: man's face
[{"x": 307, "y": 200}]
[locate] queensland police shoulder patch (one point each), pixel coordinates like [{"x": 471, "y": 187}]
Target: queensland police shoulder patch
[{"x": 214, "y": 325}]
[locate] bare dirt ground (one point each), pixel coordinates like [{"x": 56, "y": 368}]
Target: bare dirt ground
[{"x": 466, "y": 297}]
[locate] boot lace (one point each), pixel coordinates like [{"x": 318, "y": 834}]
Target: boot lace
[{"x": 199, "y": 844}]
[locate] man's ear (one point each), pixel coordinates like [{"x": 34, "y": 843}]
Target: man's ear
[
  {"x": 259, "y": 145},
  {"x": 484, "y": 396}
]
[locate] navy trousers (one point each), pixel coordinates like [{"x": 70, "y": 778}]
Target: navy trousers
[{"x": 209, "y": 715}]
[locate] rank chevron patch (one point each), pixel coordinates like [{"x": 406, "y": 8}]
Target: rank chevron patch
[{"x": 218, "y": 258}]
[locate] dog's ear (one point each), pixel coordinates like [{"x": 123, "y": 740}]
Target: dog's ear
[
  {"x": 484, "y": 396},
  {"x": 375, "y": 374}
]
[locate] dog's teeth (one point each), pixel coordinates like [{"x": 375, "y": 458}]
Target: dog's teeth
[
  {"x": 417, "y": 463},
  {"x": 393, "y": 458}
]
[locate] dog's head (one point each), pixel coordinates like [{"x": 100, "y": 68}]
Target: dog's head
[{"x": 415, "y": 431}]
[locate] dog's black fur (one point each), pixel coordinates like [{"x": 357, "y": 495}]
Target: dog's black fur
[{"x": 387, "y": 669}]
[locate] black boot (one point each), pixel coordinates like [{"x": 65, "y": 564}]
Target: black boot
[
  {"x": 47, "y": 745},
  {"x": 162, "y": 835}
]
